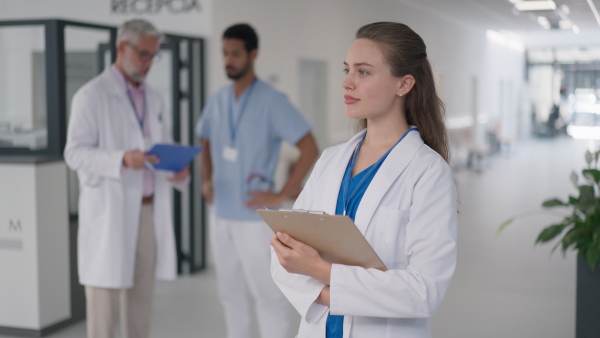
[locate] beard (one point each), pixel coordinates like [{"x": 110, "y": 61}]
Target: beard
[
  {"x": 232, "y": 74},
  {"x": 133, "y": 72}
]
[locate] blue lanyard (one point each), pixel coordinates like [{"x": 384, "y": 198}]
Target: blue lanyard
[
  {"x": 142, "y": 118},
  {"x": 233, "y": 129},
  {"x": 346, "y": 183}
]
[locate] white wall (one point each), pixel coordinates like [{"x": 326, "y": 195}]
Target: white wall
[
  {"x": 196, "y": 22},
  {"x": 314, "y": 29}
]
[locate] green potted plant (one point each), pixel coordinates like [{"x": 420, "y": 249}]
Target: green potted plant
[{"x": 579, "y": 230}]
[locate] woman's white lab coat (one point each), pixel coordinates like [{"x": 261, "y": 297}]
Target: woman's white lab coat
[
  {"x": 409, "y": 216},
  {"x": 102, "y": 127}
]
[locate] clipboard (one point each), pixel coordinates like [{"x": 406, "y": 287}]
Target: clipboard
[
  {"x": 173, "y": 157},
  {"x": 335, "y": 237}
]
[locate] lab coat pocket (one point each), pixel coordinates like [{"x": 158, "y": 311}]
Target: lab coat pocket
[
  {"x": 391, "y": 233},
  {"x": 92, "y": 181}
]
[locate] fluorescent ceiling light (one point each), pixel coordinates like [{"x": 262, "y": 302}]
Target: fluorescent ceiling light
[
  {"x": 594, "y": 10},
  {"x": 565, "y": 24},
  {"x": 532, "y": 5}
]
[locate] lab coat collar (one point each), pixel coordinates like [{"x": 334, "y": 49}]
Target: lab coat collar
[
  {"x": 111, "y": 84},
  {"x": 339, "y": 162},
  {"x": 397, "y": 160},
  {"x": 114, "y": 87}
]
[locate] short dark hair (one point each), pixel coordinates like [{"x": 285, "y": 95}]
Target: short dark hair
[{"x": 244, "y": 32}]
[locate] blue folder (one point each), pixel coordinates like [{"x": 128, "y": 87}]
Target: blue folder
[{"x": 173, "y": 157}]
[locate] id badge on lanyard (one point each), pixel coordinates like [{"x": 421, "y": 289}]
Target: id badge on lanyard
[{"x": 230, "y": 152}]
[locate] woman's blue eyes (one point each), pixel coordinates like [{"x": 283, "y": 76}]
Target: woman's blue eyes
[{"x": 360, "y": 72}]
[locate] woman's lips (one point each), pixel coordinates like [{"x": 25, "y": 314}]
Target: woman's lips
[{"x": 350, "y": 100}]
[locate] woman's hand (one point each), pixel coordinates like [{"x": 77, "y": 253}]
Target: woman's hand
[{"x": 297, "y": 257}]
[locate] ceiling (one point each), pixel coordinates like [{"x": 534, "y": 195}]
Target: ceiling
[{"x": 501, "y": 15}]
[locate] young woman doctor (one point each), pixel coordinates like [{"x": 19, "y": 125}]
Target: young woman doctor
[{"x": 393, "y": 180}]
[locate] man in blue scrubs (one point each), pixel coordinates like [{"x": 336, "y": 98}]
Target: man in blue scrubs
[{"x": 242, "y": 128}]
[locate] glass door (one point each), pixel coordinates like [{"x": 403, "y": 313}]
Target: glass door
[{"x": 178, "y": 77}]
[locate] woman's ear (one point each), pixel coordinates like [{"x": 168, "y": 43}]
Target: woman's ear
[{"x": 407, "y": 82}]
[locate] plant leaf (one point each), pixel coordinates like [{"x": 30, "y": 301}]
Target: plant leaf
[
  {"x": 573, "y": 200},
  {"x": 587, "y": 199},
  {"x": 574, "y": 179},
  {"x": 570, "y": 238},
  {"x": 549, "y": 233},
  {"x": 555, "y": 202},
  {"x": 588, "y": 157},
  {"x": 592, "y": 175},
  {"x": 504, "y": 225}
]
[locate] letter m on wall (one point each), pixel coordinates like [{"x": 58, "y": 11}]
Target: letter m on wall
[{"x": 15, "y": 225}]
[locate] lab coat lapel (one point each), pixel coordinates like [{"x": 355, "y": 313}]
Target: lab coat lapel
[
  {"x": 339, "y": 162},
  {"x": 389, "y": 171},
  {"x": 115, "y": 87}
]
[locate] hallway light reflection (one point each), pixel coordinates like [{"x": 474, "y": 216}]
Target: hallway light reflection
[{"x": 584, "y": 132}]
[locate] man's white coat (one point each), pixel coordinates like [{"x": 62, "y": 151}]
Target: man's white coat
[{"x": 102, "y": 127}]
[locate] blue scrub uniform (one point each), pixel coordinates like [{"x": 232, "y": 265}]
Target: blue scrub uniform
[{"x": 351, "y": 193}]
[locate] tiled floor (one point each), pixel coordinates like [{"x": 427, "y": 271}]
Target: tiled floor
[{"x": 504, "y": 287}]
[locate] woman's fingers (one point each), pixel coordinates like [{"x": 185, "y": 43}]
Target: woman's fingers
[{"x": 290, "y": 242}]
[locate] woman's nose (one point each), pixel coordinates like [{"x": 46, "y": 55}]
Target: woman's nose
[{"x": 347, "y": 82}]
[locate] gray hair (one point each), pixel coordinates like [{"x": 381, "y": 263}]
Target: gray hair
[{"x": 131, "y": 31}]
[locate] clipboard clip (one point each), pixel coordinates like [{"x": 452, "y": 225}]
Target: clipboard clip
[{"x": 305, "y": 211}]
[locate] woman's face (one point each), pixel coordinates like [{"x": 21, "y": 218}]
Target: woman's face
[{"x": 370, "y": 89}]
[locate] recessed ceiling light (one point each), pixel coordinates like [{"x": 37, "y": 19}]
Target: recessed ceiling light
[{"x": 535, "y": 5}]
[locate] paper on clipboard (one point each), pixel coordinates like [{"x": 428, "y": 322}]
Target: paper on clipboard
[{"x": 335, "y": 237}]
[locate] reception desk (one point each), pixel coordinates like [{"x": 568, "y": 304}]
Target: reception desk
[{"x": 35, "y": 277}]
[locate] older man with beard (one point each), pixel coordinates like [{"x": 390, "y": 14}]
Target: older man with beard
[{"x": 125, "y": 237}]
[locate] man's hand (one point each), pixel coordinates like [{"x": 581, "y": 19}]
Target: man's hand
[
  {"x": 207, "y": 191},
  {"x": 180, "y": 176},
  {"x": 297, "y": 257},
  {"x": 261, "y": 199},
  {"x": 134, "y": 159}
]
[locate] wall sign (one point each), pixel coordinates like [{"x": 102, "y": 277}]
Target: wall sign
[{"x": 139, "y": 7}]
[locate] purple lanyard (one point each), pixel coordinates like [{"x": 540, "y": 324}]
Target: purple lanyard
[
  {"x": 346, "y": 183},
  {"x": 141, "y": 119}
]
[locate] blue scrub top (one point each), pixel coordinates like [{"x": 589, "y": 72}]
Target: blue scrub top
[
  {"x": 261, "y": 119},
  {"x": 351, "y": 193}
]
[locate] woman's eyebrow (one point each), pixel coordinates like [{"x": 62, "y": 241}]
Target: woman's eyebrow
[{"x": 360, "y": 64}]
